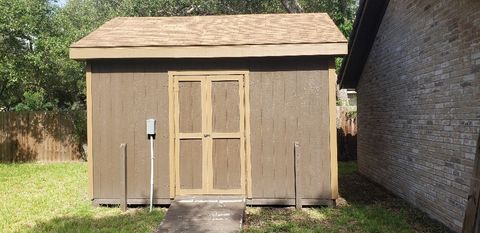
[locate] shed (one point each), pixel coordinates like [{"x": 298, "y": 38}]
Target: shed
[{"x": 230, "y": 94}]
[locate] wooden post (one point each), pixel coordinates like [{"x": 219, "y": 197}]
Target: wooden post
[
  {"x": 298, "y": 192},
  {"x": 471, "y": 222},
  {"x": 123, "y": 177}
]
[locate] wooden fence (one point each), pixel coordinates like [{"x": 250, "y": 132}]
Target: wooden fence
[
  {"x": 346, "y": 133},
  {"x": 37, "y": 136}
]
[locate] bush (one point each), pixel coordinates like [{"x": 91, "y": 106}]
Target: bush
[{"x": 79, "y": 121}]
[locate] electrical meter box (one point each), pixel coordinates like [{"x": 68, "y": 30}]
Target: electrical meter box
[{"x": 151, "y": 127}]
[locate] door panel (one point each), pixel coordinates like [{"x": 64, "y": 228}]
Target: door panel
[
  {"x": 225, "y": 106},
  {"x": 190, "y": 107},
  {"x": 226, "y": 164},
  {"x": 189, "y": 141},
  {"x": 190, "y": 164}
]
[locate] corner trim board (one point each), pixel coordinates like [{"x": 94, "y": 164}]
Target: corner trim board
[
  {"x": 332, "y": 90},
  {"x": 89, "y": 129},
  {"x": 171, "y": 132}
]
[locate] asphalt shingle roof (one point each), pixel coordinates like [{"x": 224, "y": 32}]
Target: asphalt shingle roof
[{"x": 231, "y": 30}]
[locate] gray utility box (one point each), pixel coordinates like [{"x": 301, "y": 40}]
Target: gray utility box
[{"x": 151, "y": 127}]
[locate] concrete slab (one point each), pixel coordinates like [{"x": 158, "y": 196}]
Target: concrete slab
[{"x": 204, "y": 214}]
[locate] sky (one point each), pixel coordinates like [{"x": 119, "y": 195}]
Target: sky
[{"x": 60, "y": 3}]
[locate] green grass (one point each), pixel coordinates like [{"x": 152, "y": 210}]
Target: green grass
[
  {"x": 53, "y": 198},
  {"x": 347, "y": 168},
  {"x": 344, "y": 219},
  {"x": 364, "y": 207}
]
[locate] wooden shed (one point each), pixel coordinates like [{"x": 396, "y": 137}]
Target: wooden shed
[{"x": 230, "y": 94}]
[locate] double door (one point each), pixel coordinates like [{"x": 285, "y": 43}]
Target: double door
[{"x": 209, "y": 128}]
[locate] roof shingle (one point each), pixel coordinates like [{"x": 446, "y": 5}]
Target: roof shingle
[{"x": 261, "y": 29}]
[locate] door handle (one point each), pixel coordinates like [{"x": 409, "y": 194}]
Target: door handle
[{"x": 206, "y": 135}]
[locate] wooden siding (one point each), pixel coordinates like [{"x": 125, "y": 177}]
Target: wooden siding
[
  {"x": 288, "y": 102},
  {"x": 123, "y": 98},
  {"x": 37, "y": 136},
  {"x": 289, "y": 106}
]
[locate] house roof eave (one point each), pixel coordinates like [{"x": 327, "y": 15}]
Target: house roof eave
[{"x": 369, "y": 17}]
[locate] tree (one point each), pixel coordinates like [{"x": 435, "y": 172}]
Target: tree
[
  {"x": 21, "y": 24},
  {"x": 36, "y": 72},
  {"x": 292, "y": 6},
  {"x": 341, "y": 11}
]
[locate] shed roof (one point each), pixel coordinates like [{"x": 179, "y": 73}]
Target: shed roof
[{"x": 213, "y": 36}]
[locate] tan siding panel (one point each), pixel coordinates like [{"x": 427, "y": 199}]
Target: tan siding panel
[
  {"x": 289, "y": 106},
  {"x": 115, "y": 131},
  {"x": 122, "y": 103},
  {"x": 291, "y": 123},
  {"x": 317, "y": 170},
  {"x": 160, "y": 95},
  {"x": 151, "y": 101},
  {"x": 288, "y": 103},
  {"x": 278, "y": 137},
  {"x": 256, "y": 133},
  {"x": 101, "y": 124},
  {"x": 266, "y": 122},
  {"x": 190, "y": 164},
  {"x": 139, "y": 162}
]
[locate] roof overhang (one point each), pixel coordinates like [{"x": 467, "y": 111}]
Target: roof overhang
[
  {"x": 367, "y": 22},
  {"x": 224, "y": 51}
]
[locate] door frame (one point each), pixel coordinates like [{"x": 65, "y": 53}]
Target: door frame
[{"x": 172, "y": 150}]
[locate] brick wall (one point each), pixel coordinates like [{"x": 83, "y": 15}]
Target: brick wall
[{"x": 419, "y": 104}]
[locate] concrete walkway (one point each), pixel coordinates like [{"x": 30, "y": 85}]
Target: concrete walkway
[{"x": 204, "y": 214}]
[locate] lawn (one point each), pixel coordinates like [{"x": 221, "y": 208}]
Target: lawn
[
  {"x": 363, "y": 207},
  {"x": 53, "y": 198}
]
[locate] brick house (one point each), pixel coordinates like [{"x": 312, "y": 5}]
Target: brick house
[{"x": 415, "y": 65}]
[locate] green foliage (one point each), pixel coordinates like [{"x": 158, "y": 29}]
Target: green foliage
[
  {"x": 352, "y": 114},
  {"x": 34, "y": 101},
  {"x": 347, "y": 168},
  {"x": 35, "y": 70},
  {"x": 78, "y": 117},
  {"x": 341, "y": 11}
]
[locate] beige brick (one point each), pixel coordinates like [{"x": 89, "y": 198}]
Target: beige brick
[{"x": 419, "y": 104}]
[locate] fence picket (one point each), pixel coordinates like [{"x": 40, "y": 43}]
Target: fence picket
[{"x": 37, "y": 136}]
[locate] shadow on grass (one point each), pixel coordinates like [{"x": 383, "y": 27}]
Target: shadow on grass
[
  {"x": 134, "y": 220},
  {"x": 375, "y": 201},
  {"x": 363, "y": 207}
]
